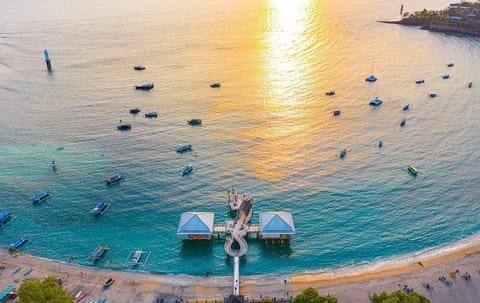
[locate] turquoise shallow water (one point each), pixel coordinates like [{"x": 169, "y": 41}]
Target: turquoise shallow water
[{"x": 268, "y": 130}]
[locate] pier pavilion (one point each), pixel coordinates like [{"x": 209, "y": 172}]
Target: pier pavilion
[
  {"x": 276, "y": 225},
  {"x": 196, "y": 226}
]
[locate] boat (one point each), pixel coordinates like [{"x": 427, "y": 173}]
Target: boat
[
  {"x": 433, "y": 95},
  {"x": 336, "y": 112},
  {"x": 450, "y": 65},
  {"x": 446, "y": 76},
  {"x": 371, "y": 78},
  {"x": 124, "y": 127},
  {"x": 151, "y": 115},
  {"x": 187, "y": 170},
  {"x": 403, "y": 122},
  {"x": 470, "y": 84},
  {"x": 215, "y": 85},
  {"x": 54, "y": 165},
  {"x": 380, "y": 143},
  {"x": 343, "y": 153},
  {"x": 98, "y": 252},
  {"x": 79, "y": 296},
  {"x": 412, "y": 169},
  {"x": 420, "y": 81},
  {"x": 330, "y": 93},
  {"x": 27, "y": 272},
  {"x": 100, "y": 208},
  {"x": 114, "y": 179},
  {"x": 4, "y": 217},
  {"x": 194, "y": 122},
  {"x": 406, "y": 107},
  {"x": 134, "y": 110},
  {"x": 108, "y": 283},
  {"x": 376, "y": 102},
  {"x": 18, "y": 242},
  {"x": 41, "y": 196},
  {"x": 184, "y": 148},
  {"x": 144, "y": 86},
  {"x": 139, "y": 67},
  {"x": 136, "y": 257}
]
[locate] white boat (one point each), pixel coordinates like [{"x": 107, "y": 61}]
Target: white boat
[
  {"x": 136, "y": 257},
  {"x": 376, "y": 102},
  {"x": 412, "y": 169}
]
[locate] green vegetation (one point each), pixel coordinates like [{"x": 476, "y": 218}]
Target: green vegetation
[
  {"x": 310, "y": 295},
  {"x": 43, "y": 291},
  {"x": 399, "y": 297}
]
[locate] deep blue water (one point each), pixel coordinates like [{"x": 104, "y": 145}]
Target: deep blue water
[{"x": 267, "y": 131}]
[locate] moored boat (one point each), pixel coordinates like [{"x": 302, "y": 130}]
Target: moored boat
[
  {"x": 446, "y": 76},
  {"x": 18, "y": 242},
  {"x": 420, "y": 81},
  {"x": 336, "y": 112},
  {"x": 108, "y": 283},
  {"x": 194, "y": 122},
  {"x": 134, "y": 110},
  {"x": 433, "y": 95},
  {"x": 412, "y": 169},
  {"x": 136, "y": 257},
  {"x": 187, "y": 170},
  {"x": 380, "y": 143},
  {"x": 144, "y": 86},
  {"x": 184, "y": 148},
  {"x": 406, "y": 107},
  {"x": 330, "y": 93},
  {"x": 41, "y": 196},
  {"x": 215, "y": 85},
  {"x": 98, "y": 252},
  {"x": 151, "y": 115},
  {"x": 4, "y": 217},
  {"x": 139, "y": 67},
  {"x": 124, "y": 127},
  {"x": 376, "y": 102},
  {"x": 114, "y": 179},
  {"x": 371, "y": 78},
  {"x": 470, "y": 84},
  {"x": 100, "y": 208},
  {"x": 403, "y": 122},
  {"x": 343, "y": 153},
  {"x": 450, "y": 65},
  {"x": 79, "y": 296}
]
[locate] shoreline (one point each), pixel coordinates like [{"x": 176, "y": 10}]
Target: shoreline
[{"x": 348, "y": 287}]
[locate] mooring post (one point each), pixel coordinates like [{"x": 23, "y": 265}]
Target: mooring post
[{"x": 47, "y": 61}]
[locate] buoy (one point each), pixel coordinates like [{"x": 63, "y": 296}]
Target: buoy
[{"x": 47, "y": 61}]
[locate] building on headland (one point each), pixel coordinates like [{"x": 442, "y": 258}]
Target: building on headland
[
  {"x": 276, "y": 225},
  {"x": 196, "y": 226}
]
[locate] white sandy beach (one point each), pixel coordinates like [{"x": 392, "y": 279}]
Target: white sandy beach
[{"x": 141, "y": 287}]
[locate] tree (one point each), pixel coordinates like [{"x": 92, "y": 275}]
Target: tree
[
  {"x": 43, "y": 291},
  {"x": 310, "y": 295},
  {"x": 399, "y": 297}
]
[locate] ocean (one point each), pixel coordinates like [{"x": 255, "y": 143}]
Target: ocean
[{"x": 267, "y": 131}]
